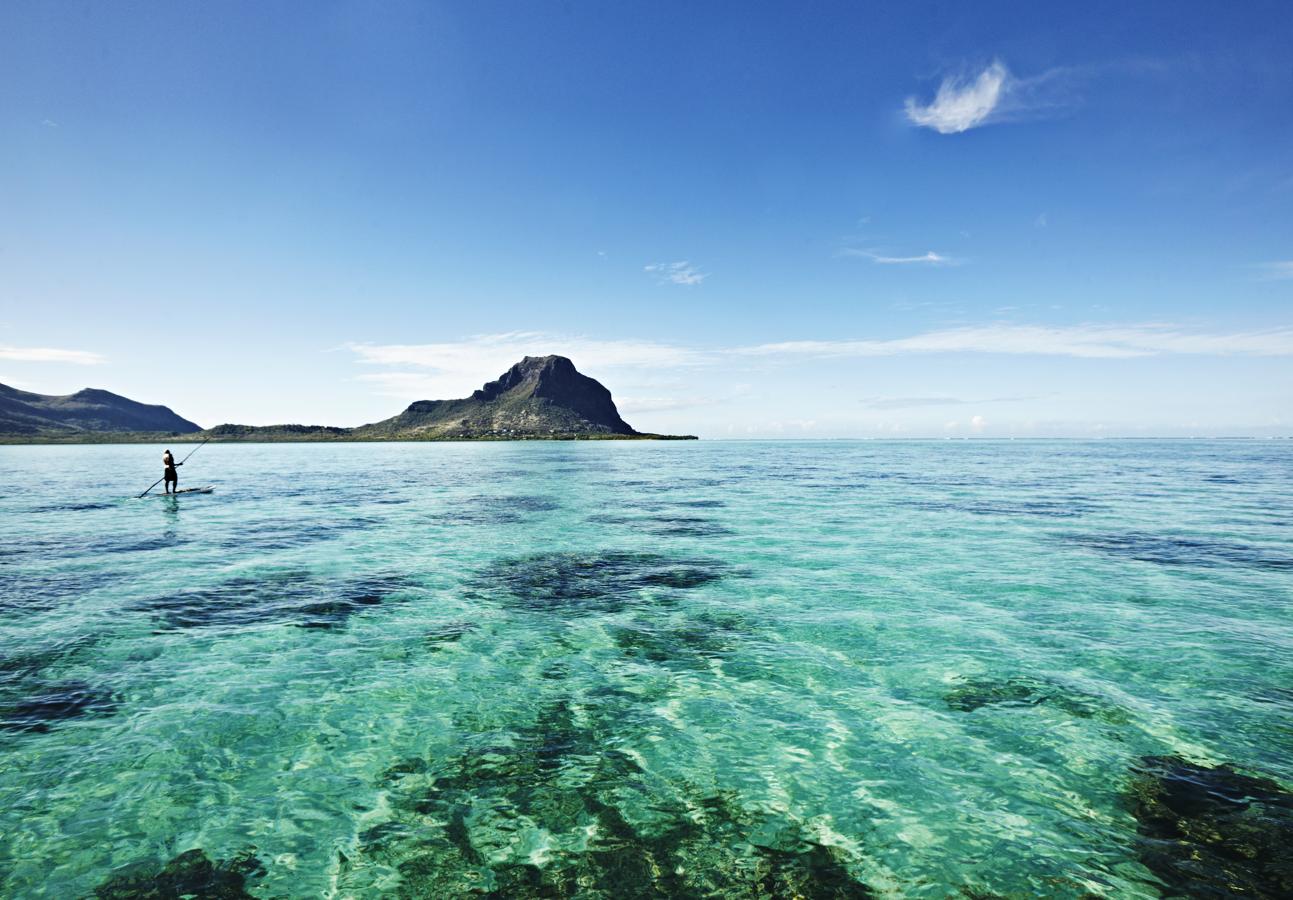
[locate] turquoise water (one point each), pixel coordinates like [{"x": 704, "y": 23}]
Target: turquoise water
[{"x": 612, "y": 669}]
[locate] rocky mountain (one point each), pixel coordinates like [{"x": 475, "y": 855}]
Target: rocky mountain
[
  {"x": 86, "y": 412},
  {"x": 537, "y": 397},
  {"x": 541, "y": 397}
]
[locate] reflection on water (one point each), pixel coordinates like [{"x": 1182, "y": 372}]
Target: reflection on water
[{"x": 616, "y": 670}]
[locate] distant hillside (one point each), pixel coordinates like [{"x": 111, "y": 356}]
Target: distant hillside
[
  {"x": 87, "y": 411},
  {"x": 541, "y": 397}
]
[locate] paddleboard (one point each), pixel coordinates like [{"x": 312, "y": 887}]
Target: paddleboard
[{"x": 198, "y": 490}]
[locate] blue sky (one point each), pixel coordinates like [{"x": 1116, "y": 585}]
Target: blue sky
[{"x": 808, "y": 220}]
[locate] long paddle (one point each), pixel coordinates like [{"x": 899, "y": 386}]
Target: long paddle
[{"x": 182, "y": 462}]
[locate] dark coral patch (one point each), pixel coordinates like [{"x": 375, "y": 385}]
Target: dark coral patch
[
  {"x": 1025, "y": 691},
  {"x": 686, "y": 526},
  {"x": 1066, "y": 508},
  {"x": 457, "y": 821},
  {"x": 47, "y": 703},
  {"x": 448, "y": 633},
  {"x": 288, "y": 534},
  {"x": 489, "y": 510},
  {"x": 1210, "y": 831},
  {"x": 27, "y": 591},
  {"x": 1173, "y": 550},
  {"x": 593, "y": 581},
  {"x": 690, "y": 646},
  {"x": 191, "y": 874},
  {"x": 284, "y": 596}
]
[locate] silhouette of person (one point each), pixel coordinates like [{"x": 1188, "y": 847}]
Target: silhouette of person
[{"x": 169, "y": 474}]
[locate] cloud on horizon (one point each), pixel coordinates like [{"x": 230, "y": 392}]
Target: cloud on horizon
[
  {"x": 51, "y": 354},
  {"x": 1086, "y": 341},
  {"x": 456, "y": 368},
  {"x": 917, "y": 402}
]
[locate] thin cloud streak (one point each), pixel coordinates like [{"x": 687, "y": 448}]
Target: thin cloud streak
[
  {"x": 930, "y": 258},
  {"x": 456, "y": 368},
  {"x": 1085, "y": 341},
  {"x": 683, "y": 273},
  {"x": 915, "y": 402},
  {"x": 52, "y": 355},
  {"x": 1281, "y": 270}
]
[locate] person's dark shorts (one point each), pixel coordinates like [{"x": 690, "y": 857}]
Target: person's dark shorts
[{"x": 170, "y": 475}]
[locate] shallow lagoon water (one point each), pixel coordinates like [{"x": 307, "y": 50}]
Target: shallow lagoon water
[{"x": 633, "y": 669}]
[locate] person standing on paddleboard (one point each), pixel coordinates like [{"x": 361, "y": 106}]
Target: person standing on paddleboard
[{"x": 169, "y": 475}]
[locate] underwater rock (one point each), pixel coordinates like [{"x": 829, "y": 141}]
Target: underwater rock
[
  {"x": 688, "y": 645},
  {"x": 1062, "y": 508},
  {"x": 687, "y": 526},
  {"x": 593, "y": 581},
  {"x": 191, "y": 874},
  {"x": 976, "y": 693},
  {"x": 1210, "y": 831},
  {"x": 448, "y": 633},
  {"x": 51, "y": 702},
  {"x": 288, "y": 534},
  {"x": 490, "y": 510},
  {"x": 468, "y": 825},
  {"x": 15, "y": 668},
  {"x": 1171, "y": 550},
  {"x": 27, "y": 591},
  {"x": 665, "y": 525},
  {"x": 287, "y": 597}
]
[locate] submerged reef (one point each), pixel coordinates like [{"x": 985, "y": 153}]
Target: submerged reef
[
  {"x": 1174, "y": 550},
  {"x": 448, "y": 633},
  {"x": 592, "y": 582},
  {"x": 46, "y": 703},
  {"x": 32, "y": 699},
  {"x": 549, "y": 811},
  {"x": 1022, "y": 690},
  {"x": 287, "y": 597},
  {"x": 493, "y": 510},
  {"x": 191, "y": 874},
  {"x": 689, "y": 645},
  {"x": 1061, "y": 508},
  {"x": 1210, "y": 831}
]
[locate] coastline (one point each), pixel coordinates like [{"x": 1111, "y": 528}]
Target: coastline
[{"x": 134, "y": 437}]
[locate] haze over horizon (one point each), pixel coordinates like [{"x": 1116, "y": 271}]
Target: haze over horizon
[{"x": 921, "y": 221}]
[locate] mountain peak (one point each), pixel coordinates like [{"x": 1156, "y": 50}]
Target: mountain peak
[{"x": 539, "y": 396}]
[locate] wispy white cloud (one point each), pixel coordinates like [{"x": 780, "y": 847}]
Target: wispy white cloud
[
  {"x": 634, "y": 404},
  {"x": 929, "y": 258},
  {"x": 961, "y": 104},
  {"x": 1278, "y": 271},
  {"x": 997, "y": 95},
  {"x": 916, "y": 402},
  {"x": 1088, "y": 341},
  {"x": 456, "y": 368},
  {"x": 50, "y": 354},
  {"x": 677, "y": 272}
]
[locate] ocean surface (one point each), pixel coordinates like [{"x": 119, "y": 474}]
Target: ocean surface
[{"x": 621, "y": 669}]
